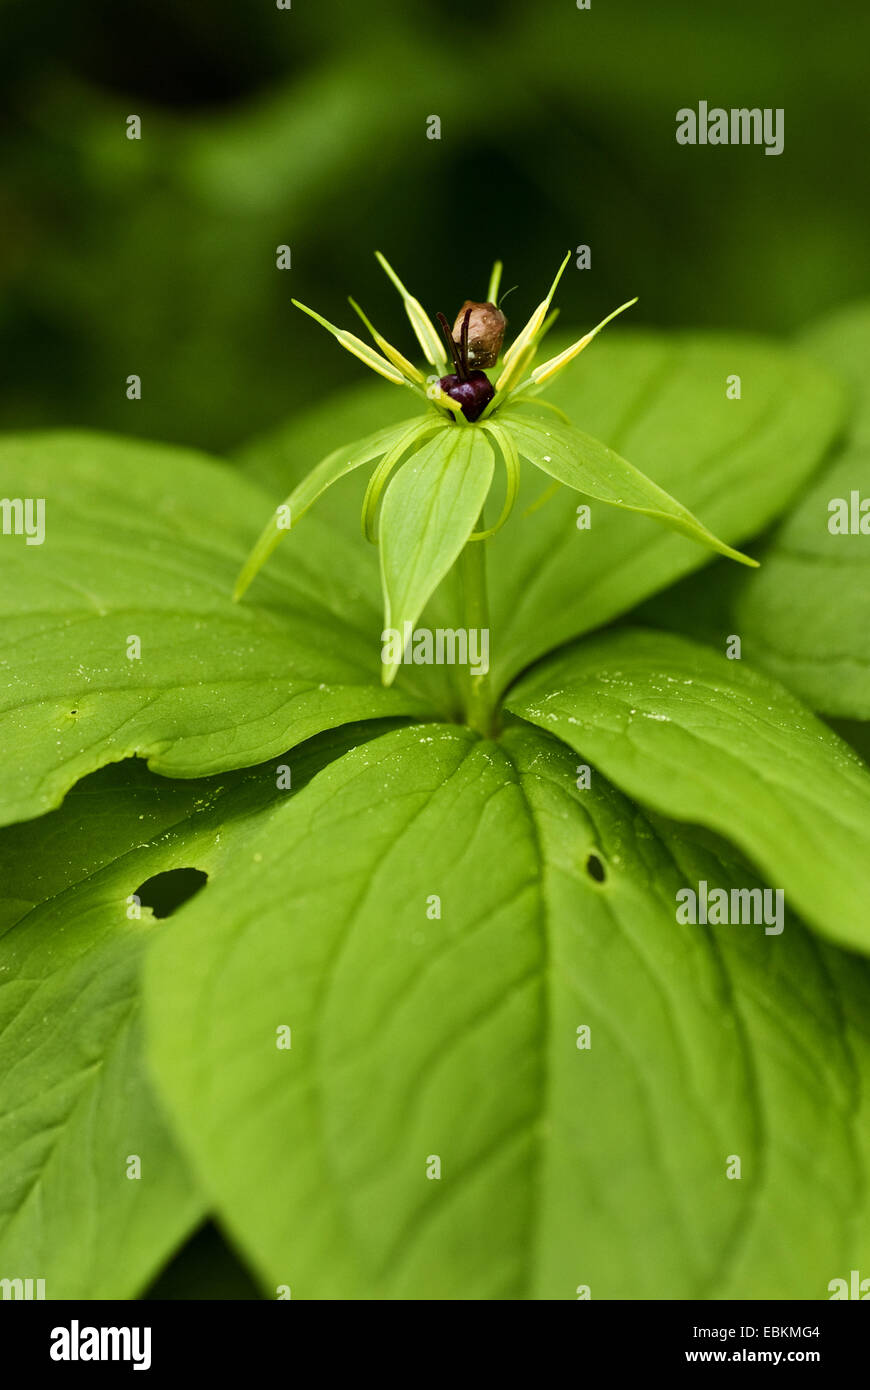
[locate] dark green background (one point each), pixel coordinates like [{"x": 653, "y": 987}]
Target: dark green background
[{"x": 307, "y": 127}]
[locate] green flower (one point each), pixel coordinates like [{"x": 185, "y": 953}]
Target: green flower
[{"x": 426, "y": 496}]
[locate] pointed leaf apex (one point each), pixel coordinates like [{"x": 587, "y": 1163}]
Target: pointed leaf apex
[
  {"x": 521, "y": 349},
  {"x": 351, "y": 343},
  {"x": 555, "y": 364}
]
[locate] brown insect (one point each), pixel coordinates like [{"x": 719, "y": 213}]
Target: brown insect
[{"x": 486, "y": 326}]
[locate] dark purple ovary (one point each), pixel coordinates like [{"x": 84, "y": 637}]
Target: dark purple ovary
[{"x": 473, "y": 394}]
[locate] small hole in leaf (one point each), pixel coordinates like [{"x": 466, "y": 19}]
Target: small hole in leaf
[
  {"x": 165, "y": 893},
  {"x": 595, "y": 869}
]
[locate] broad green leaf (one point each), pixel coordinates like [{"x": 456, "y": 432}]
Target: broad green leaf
[
  {"x": 75, "y": 1101},
  {"x": 434, "y": 1130},
  {"x": 807, "y": 619},
  {"x": 707, "y": 740},
  {"x": 143, "y": 541},
  {"x": 430, "y": 509},
  {"x": 322, "y": 476},
  {"x": 856, "y": 732},
  {"x": 806, "y": 616},
  {"x": 281, "y": 459},
  {"x": 588, "y": 466},
  {"x": 841, "y": 342}
]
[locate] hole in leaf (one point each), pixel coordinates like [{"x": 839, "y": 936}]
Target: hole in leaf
[
  {"x": 595, "y": 869},
  {"x": 205, "y": 1268},
  {"x": 165, "y": 893}
]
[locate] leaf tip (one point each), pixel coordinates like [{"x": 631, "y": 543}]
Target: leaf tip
[{"x": 739, "y": 556}]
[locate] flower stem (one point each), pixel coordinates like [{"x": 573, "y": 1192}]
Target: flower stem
[{"x": 479, "y": 711}]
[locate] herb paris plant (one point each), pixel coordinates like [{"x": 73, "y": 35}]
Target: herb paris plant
[
  {"x": 513, "y": 1071},
  {"x": 433, "y": 508}
]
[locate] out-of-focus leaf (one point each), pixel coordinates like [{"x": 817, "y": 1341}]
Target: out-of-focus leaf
[{"x": 806, "y": 616}]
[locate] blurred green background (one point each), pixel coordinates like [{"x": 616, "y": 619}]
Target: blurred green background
[{"x": 307, "y": 127}]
